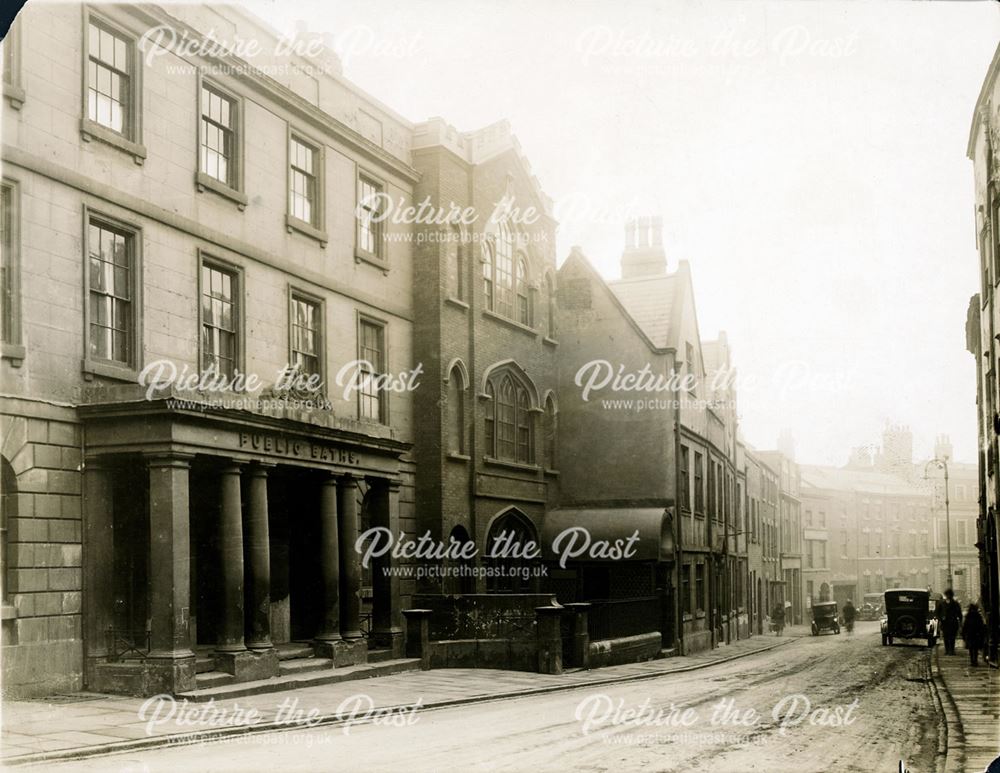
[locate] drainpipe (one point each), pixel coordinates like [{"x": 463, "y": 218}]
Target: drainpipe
[{"x": 678, "y": 531}]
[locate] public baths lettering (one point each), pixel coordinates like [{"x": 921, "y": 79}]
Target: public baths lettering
[{"x": 296, "y": 448}]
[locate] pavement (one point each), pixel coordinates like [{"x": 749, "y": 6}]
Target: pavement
[
  {"x": 82, "y": 725},
  {"x": 970, "y": 700}
]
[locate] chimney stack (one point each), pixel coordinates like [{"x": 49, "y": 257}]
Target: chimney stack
[{"x": 644, "y": 254}]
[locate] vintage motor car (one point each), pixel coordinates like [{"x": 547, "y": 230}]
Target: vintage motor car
[
  {"x": 871, "y": 607},
  {"x": 909, "y": 614},
  {"x": 824, "y": 617}
]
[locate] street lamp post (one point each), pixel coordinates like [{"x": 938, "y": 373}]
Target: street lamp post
[{"x": 943, "y": 465}]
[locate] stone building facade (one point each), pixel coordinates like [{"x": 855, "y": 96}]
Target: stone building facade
[
  {"x": 169, "y": 211},
  {"x": 982, "y": 324},
  {"x": 864, "y": 531}
]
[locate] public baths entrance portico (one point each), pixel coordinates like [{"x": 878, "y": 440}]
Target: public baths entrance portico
[{"x": 218, "y": 540}]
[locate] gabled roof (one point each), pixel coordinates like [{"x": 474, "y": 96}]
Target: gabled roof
[
  {"x": 650, "y": 301},
  {"x": 577, "y": 258}
]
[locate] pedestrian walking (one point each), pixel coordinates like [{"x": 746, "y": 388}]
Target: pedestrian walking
[
  {"x": 778, "y": 618},
  {"x": 850, "y": 613},
  {"x": 951, "y": 621},
  {"x": 974, "y": 633}
]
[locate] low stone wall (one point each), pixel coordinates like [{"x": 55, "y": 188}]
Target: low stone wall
[
  {"x": 508, "y": 654},
  {"x": 631, "y": 649},
  {"x": 481, "y": 616}
]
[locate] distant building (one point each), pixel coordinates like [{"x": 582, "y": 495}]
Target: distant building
[{"x": 864, "y": 531}]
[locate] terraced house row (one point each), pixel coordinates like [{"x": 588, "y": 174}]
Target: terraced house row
[{"x": 183, "y": 212}]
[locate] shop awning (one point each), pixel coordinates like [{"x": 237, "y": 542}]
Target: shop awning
[{"x": 567, "y": 530}]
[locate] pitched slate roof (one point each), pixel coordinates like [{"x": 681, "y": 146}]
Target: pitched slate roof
[{"x": 650, "y": 302}]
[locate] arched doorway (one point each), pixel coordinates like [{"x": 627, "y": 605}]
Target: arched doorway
[
  {"x": 760, "y": 605},
  {"x": 461, "y": 578},
  {"x": 509, "y": 571}
]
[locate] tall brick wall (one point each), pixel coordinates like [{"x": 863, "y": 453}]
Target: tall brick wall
[{"x": 636, "y": 443}]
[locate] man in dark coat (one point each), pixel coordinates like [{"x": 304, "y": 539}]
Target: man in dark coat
[
  {"x": 850, "y": 613},
  {"x": 974, "y": 633},
  {"x": 951, "y": 621}
]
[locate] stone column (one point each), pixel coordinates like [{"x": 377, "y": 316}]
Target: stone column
[
  {"x": 98, "y": 556},
  {"x": 387, "y": 630},
  {"x": 549, "y": 639},
  {"x": 258, "y": 596},
  {"x": 418, "y": 636},
  {"x": 581, "y": 634},
  {"x": 231, "y": 536},
  {"x": 329, "y": 565},
  {"x": 350, "y": 560},
  {"x": 171, "y": 666}
]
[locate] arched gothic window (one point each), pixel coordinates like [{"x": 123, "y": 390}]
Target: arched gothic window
[
  {"x": 508, "y": 421},
  {"x": 456, "y": 411},
  {"x": 550, "y": 299},
  {"x": 550, "y": 433},
  {"x": 521, "y": 287},
  {"x": 502, "y": 282}
]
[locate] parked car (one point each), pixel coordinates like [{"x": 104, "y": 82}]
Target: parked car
[
  {"x": 824, "y": 617},
  {"x": 871, "y": 607},
  {"x": 909, "y": 614}
]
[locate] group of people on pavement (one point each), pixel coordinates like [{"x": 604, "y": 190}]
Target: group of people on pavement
[{"x": 972, "y": 626}]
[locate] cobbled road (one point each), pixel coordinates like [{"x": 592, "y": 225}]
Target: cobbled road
[{"x": 823, "y": 704}]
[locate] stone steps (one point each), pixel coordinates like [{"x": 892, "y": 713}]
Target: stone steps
[
  {"x": 294, "y": 651},
  {"x": 379, "y": 656},
  {"x": 303, "y": 665},
  {"x": 210, "y": 686}
]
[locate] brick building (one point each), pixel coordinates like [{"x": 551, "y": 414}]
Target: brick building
[
  {"x": 673, "y": 451},
  {"x": 767, "y": 587},
  {"x": 199, "y": 212},
  {"x": 484, "y": 329}
]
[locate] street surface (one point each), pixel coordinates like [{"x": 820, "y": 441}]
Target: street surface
[{"x": 869, "y": 707}]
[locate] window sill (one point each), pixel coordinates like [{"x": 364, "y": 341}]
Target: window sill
[
  {"x": 113, "y": 370},
  {"x": 13, "y": 352},
  {"x": 91, "y": 130},
  {"x": 8, "y": 612},
  {"x": 551, "y": 472},
  {"x": 360, "y": 256},
  {"x": 510, "y": 323},
  {"x": 203, "y": 182},
  {"x": 459, "y": 458},
  {"x": 699, "y": 614},
  {"x": 512, "y": 465},
  {"x": 686, "y": 617},
  {"x": 292, "y": 223},
  {"x": 457, "y": 302},
  {"x": 14, "y": 94},
  {"x": 550, "y": 341}
]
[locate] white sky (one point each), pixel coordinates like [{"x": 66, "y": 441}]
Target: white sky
[{"x": 808, "y": 158}]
